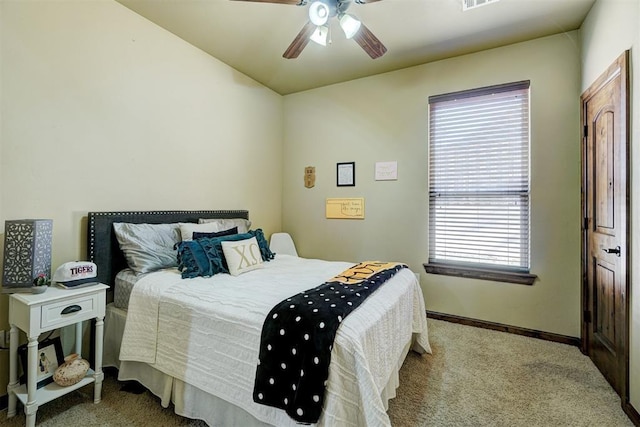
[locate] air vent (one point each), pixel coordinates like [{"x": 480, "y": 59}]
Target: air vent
[{"x": 472, "y": 4}]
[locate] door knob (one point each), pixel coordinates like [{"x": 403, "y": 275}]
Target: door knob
[{"x": 615, "y": 250}]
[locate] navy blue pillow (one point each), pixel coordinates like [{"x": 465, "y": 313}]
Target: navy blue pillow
[{"x": 199, "y": 235}]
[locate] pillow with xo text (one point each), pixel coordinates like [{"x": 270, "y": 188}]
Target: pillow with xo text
[{"x": 242, "y": 256}]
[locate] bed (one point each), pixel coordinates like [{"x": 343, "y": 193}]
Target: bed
[{"x": 195, "y": 342}]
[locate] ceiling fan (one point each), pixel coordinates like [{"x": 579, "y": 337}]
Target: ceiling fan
[{"x": 317, "y": 28}]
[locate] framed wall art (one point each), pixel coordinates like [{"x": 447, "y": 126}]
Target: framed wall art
[{"x": 346, "y": 174}]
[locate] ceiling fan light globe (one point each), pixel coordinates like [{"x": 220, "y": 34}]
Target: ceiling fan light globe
[
  {"x": 350, "y": 25},
  {"x": 320, "y": 35},
  {"x": 318, "y": 13}
]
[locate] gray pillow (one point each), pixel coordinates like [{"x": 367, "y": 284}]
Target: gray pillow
[
  {"x": 148, "y": 247},
  {"x": 217, "y": 224}
]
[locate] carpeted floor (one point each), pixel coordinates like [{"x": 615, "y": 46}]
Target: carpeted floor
[
  {"x": 474, "y": 377},
  {"x": 478, "y": 377}
]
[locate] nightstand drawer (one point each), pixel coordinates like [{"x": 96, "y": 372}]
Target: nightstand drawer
[{"x": 69, "y": 311}]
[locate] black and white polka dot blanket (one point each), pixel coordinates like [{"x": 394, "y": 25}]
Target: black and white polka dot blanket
[{"x": 297, "y": 338}]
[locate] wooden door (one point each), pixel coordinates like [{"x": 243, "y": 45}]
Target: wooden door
[{"x": 605, "y": 119}]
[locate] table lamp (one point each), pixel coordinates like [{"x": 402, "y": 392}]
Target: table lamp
[{"x": 27, "y": 253}]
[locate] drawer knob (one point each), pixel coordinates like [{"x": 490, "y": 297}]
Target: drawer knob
[{"x": 71, "y": 309}]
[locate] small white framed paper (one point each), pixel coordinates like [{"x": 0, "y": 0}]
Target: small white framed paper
[
  {"x": 387, "y": 171},
  {"x": 346, "y": 174}
]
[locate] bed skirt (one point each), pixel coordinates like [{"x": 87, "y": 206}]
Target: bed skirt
[{"x": 189, "y": 401}]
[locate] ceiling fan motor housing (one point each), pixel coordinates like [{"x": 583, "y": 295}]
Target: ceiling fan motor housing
[{"x": 320, "y": 11}]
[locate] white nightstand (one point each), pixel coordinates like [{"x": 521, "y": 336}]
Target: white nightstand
[{"x": 38, "y": 313}]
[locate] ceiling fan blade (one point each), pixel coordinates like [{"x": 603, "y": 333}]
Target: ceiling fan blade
[
  {"x": 296, "y": 2},
  {"x": 370, "y": 43},
  {"x": 300, "y": 42}
]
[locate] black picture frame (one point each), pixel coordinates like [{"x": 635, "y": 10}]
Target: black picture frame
[
  {"x": 346, "y": 174},
  {"x": 50, "y": 351}
]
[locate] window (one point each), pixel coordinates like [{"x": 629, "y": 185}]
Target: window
[{"x": 479, "y": 183}]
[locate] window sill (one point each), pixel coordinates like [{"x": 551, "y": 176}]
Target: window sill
[{"x": 481, "y": 273}]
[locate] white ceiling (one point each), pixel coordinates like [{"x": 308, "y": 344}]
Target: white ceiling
[{"x": 251, "y": 36}]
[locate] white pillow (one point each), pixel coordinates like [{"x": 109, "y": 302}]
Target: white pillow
[
  {"x": 242, "y": 255},
  {"x": 187, "y": 229},
  {"x": 243, "y": 225}
]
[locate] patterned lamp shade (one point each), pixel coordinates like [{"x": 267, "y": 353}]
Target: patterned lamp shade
[{"x": 27, "y": 252}]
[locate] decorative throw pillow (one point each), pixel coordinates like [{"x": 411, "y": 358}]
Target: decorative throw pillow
[
  {"x": 198, "y": 235},
  {"x": 204, "y": 257},
  {"x": 213, "y": 249},
  {"x": 192, "y": 254},
  {"x": 267, "y": 255},
  {"x": 225, "y": 223},
  {"x": 148, "y": 247},
  {"x": 242, "y": 256},
  {"x": 194, "y": 261}
]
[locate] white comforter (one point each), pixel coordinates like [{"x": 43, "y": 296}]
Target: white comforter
[{"x": 206, "y": 332}]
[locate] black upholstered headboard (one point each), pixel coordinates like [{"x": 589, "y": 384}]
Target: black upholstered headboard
[{"x": 102, "y": 245}]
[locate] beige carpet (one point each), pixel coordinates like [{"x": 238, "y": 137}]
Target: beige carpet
[
  {"x": 478, "y": 377},
  {"x": 475, "y": 377}
]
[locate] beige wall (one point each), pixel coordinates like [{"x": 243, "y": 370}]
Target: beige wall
[
  {"x": 384, "y": 118},
  {"x": 611, "y": 28},
  {"x": 103, "y": 110}
]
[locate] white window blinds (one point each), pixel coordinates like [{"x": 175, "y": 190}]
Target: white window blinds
[{"x": 479, "y": 177}]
